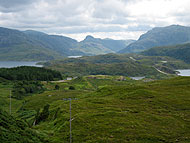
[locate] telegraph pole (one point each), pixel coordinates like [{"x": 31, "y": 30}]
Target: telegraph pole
[
  {"x": 70, "y": 122},
  {"x": 10, "y": 103},
  {"x": 70, "y": 99}
]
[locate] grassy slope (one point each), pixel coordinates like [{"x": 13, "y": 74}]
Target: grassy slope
[
  {"x": 12, "y": 129},
  {"x": 17, "y": 131},
  {"x": 116, "y": 111}
]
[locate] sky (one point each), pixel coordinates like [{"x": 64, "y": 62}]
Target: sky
[{"x": 116, "y": 19}]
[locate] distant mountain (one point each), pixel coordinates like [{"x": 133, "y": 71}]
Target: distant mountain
[
  {"x": 32, "y": 45},
  {"x": 16, "y": 45},
  {"x": 181, "y": 52},
  {"x": 96, "y": 46},
  {"x": 160, "y": 36},
  {"x": 61, "y": 44}
]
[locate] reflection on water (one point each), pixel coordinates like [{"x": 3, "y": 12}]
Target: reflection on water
[
  {"x": 74, "y": 56},
  {"x": 137, "y": 78},
  {"x": 184, "y": 72},
  {"x": 11, "y": 64}
]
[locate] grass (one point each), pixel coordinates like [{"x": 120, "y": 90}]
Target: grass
[
  {"x": 108, "y": 110},
  {"x": 5, "y": 89}
]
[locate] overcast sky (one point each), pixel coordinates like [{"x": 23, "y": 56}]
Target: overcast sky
[{"x": 117, "y": 19}]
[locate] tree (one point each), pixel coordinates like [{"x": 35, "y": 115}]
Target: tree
[
  {"x": 43, "y": 115},
  {"x": 57, "y": 87},
  {"x": 71, "y": 87}
]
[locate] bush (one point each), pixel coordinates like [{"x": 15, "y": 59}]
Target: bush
[
  {"x": 71, "y": 88},
  {"x": 57, "y": 87}
]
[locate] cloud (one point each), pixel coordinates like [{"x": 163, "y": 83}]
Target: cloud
[
  {"x": 14, "y": 5},
  {"x": 75, "y": 18}
]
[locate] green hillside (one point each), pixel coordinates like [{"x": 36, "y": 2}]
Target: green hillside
[
  {"x": 160, "y": 36},
  {"x": 109, "y": 64},
  {"x": 146, "y": 113},
  {"x": 113, "y": 64},
  {"x": 60, "y": 44},
  {"x": 180, "y": 52},
  {"x": 105, "y": 109},
  {"x": 17, "y": 46},
  {"x": 13, "y": 130},
  {"x": 27, "y": 52}
]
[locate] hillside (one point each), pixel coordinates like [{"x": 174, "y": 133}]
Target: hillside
[
  {"x": 114, "y": 64},
  {"x": 160, "y": 36},
  {"x": 15, "y": 45},
  {"x": 181, "y": 52},
  {"x": 109, "y": 64},
  {"x": 60, "y": 44},
  {"x": 105, "y": 109},
  {"x": 147, "y": 113},
  {"x": 16, "y": 131}
]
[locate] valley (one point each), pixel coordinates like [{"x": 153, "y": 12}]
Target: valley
[{"x": 109, "y": 90}]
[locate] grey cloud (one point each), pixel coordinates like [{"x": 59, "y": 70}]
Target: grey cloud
[
  {"x": 14, "y": 5},
  {"x": 78, "y": 16},
  {"x": 120, "y": 20},
  {"x": 98, "y": 28},
  {"x": 109, "y": 9},
  {"x": 139, "y": 28}
]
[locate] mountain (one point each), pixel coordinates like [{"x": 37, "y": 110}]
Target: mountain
[
  {"x": 181, "y": 52},
  {"x": 160, "y": 36},
  {"x": 61, "y": 44},
  {"x": 32, "y": 45},
  {"x": 96, "y": 46},
  {"x": 114, "y": 45},
  {"x": 16, "y": 45}
]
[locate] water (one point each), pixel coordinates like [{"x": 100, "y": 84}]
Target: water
[
  {"x": 11, "y": 64},
  {"x": 137, "y": 78},
  {"x": 184, "y": 72},
  {"x": 74, "y": 56}
]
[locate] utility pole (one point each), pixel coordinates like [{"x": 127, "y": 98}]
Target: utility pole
[
  {"x": 10, "y": 103},
  {"x": 70, "y": 99},
  {"x": 70, "y": 122}
]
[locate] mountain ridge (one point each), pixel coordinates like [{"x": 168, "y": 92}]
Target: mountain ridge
[
  {"x": 160, "y": 36},
  {"x": 180, "y": 52},
  {"x": 33, "y": 45}
]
